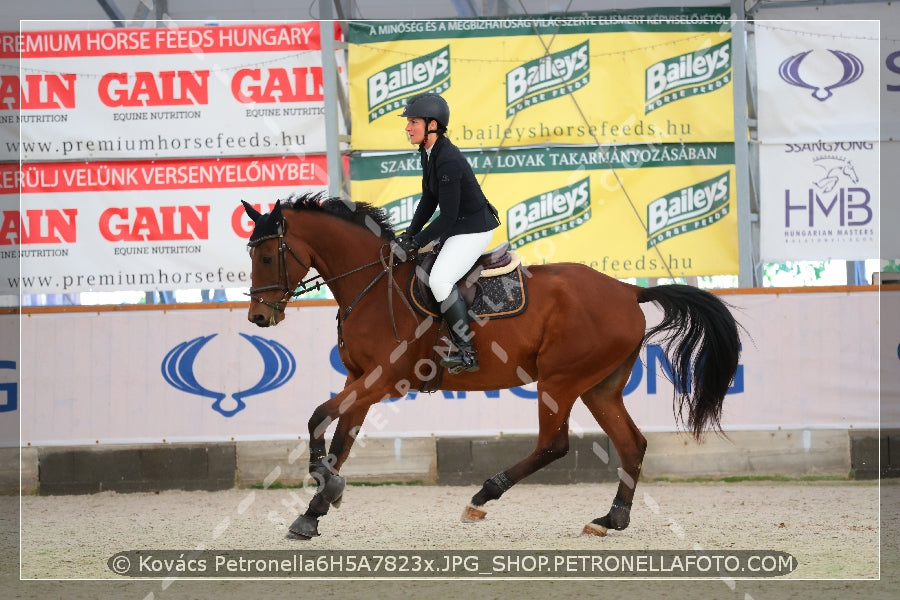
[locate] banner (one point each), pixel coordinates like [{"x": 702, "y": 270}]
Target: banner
[
  {"x": 230, "y": 90},
  {"x": 890, "y": 77},
  {"x": 890, "y": 359},
  {"x": 818, "y": 81},
  {"x": 655, "y": 76},
  {"x": 890, "y": 203},
  {"x": 809, "y": 360},
  {"x": 9, "y": 384},
  {"x": 140, "y": 225},
  {"x": 630, "y": 211},
  {"x": 819, "y": 201}
]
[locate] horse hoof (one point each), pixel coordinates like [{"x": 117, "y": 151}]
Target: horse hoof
[
  {"x": 594, "y": 529},
  {"x": 472, "y": 514},
  {"x": 304, "y": 528},
  {"x": 293, "y": 536}
]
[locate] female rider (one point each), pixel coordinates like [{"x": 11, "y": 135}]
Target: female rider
[{"x": 465, "y": 224}]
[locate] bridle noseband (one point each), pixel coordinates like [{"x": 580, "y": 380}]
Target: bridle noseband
[{"x": 283, "y": 285}]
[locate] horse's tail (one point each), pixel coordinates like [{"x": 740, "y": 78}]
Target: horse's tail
[{"x": 703, "y": 346}]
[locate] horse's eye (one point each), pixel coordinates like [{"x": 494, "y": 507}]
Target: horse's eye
[{"x": 267, "y": 260}]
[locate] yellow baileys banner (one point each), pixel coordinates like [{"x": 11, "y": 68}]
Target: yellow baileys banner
[
  {"x": 657, "y": 76},
  {"x": 672, "y": 216}
]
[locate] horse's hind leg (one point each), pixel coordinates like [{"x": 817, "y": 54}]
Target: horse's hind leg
[
  {"x": 606, "y": 403},
  {"x": 552, "y": 443}
]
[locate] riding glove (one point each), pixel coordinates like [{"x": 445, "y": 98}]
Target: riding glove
[{"x": 403, "y": 246}]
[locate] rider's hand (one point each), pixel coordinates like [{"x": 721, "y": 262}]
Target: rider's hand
[{"x": 403, "y": 246}]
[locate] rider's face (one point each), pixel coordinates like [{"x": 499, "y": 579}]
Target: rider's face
[{"x": 415, "y": 130}]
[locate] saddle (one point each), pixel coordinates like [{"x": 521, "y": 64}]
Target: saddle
[{"x": 494, "y": 287}]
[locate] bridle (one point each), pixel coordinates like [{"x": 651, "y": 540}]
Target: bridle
[
  {"x": 313, "y": 283},
  {"x": 283, "y": 284}
]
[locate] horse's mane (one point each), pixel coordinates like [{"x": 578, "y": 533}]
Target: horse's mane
[{"x": 373, "y": 218}]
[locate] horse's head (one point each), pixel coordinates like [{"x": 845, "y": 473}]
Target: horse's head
[
  {"x": 273, "y": 277},
  {"x": 850, "y": 172}
]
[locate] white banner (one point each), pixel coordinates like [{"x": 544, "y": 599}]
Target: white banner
[
  {"x": 140, "y": 225},
  {"x": 9, "y": 386},
  {"x": 890, "y": 203},
  {"x": 818, "y": 80},
  {"x": 890, "y": 360},
  {"x": 231, "y": 90},
  {"x": 206, "y": 374},
  {"x": 819, "y": 201}
]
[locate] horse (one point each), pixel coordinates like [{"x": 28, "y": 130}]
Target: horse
[{"x": 578, "y": 338}]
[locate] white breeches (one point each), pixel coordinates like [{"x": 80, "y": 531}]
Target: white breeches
[{"x": 458, "y": 254}]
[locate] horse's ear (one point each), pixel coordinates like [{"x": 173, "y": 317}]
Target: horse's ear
[
  {"x": 251, "y": 212},
  {"x": 276, "y": 211}
]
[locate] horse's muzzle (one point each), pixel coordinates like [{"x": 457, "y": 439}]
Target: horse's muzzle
[{"x": 265, "y": 316}]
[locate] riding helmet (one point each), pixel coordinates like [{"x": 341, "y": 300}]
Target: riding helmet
[{"x": 428, "y": 106}]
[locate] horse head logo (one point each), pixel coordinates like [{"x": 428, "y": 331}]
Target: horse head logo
[
  {"x": 789, "y": 71},
  {"x": 835, "y": 167},
  {"x": 178, "y": 371}
]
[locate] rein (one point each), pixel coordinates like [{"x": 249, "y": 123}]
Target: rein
[{"x": 290, "y": 292}]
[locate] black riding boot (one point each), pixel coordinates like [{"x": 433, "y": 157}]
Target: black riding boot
[{"x": 462, "y": 356}]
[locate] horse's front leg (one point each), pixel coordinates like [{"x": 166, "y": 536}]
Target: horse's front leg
[{"x": 349, "y": 409}]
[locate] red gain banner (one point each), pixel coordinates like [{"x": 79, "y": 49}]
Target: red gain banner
[
  {"x": 220, "y": 91},
  {"x": 139, "y": 225}
]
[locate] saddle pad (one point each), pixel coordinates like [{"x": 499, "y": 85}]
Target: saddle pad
[{"x": 496, "y": 297}]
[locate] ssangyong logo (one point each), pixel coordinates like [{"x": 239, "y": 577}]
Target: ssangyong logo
[
  {"x": 549, "y": 214},
  {"x": 688, "y": 209},
  {"x": 851, "y": 70},
  {"x": 388, "y": 90},
  {"x": 547, "y": 77},
  {"x": 178, "y": 371},
  {"x": 687, "y": 75}
]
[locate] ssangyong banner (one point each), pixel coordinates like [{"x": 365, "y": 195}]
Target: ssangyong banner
[
  {"x": 140, "y": 225},
  {"x": 809, "y": 360},
  {"x": 819, "y": 201},
  {"x": 818, "y": 80},
  {"x": 890, "y": 359},
  {"x": 890, "y": 205},
  {"x": 629, "y": 211},
  {"x": 9, "y": 380},
  {"x": 654, "y": 76},
  {"x": 177, "y": 91}
]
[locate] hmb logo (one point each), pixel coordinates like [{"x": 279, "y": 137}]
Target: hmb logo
[
  {"x": 832, "y": 200},
  {"x": 851, "y": 70}
]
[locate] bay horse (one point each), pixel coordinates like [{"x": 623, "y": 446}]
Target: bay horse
[{"x": 579, "y": 338}]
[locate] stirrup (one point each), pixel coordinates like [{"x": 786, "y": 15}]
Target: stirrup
[{"x": 459, "y": 360}]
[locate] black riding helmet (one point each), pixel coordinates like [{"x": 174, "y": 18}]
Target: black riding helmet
[{"x": 429, "y": 106}]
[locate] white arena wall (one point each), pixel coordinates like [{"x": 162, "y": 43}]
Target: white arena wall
[{"x": 818, "y": 379}]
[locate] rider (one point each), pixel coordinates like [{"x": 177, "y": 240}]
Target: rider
[{"x": 465, "y": 224}]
